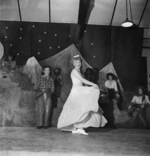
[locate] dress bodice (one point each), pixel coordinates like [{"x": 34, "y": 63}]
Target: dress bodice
[{"x": 75, "y": 80}]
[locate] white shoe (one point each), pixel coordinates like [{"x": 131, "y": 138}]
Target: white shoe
[
  {"x": 75, "y": 132},
  {"x": 81, "y": 131}
]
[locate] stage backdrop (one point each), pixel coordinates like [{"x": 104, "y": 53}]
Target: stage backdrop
[
  {"x": 99, "y": 45},
  {"x": 123, "y": 47}
]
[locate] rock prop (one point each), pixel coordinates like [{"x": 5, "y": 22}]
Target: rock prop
[{"x": 17, "y": 99}]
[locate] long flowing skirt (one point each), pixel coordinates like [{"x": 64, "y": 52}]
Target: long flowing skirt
[{"x": 81, "y": 109}]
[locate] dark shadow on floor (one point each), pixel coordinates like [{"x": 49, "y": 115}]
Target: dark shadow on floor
[{"x": 91, "y": 129}]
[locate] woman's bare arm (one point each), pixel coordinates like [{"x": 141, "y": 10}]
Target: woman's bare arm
[{"x": 77, "y": 75}]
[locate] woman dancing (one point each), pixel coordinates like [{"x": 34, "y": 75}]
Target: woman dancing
[{"x": 81, "y": 109}]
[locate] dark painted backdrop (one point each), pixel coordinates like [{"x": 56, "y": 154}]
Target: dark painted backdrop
[{"x": 99, "y": 45}]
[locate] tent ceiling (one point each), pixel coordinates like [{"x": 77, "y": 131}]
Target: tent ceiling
[{"x": 66, "y": 11}]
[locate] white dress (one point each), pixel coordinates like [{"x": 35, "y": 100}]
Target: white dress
[{"x": 81, "y": 109}]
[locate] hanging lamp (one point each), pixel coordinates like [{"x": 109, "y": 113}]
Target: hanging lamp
[{"x": 127, "y": 23}]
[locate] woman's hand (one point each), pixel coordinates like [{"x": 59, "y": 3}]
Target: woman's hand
[
  {"x": 45, "y": 96},
  {"x": 142, "y": 106},
  {"x": 117, "y": 95},
  {"x": 129, "y": 106},
  {"x": 95, "y": 86}
]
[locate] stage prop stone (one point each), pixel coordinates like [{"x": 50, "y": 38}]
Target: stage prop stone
[
  {"x": 33, "y": 69},
  {"x": 17, "y": 101},
  {"x": 122, "y": 119},
  {"x": 17, "y": 104}
]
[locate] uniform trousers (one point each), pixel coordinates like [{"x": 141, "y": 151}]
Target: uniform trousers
[{"x": 43, "y": 107}]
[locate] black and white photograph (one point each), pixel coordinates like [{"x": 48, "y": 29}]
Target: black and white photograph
[{"x": 74, "y": 77}]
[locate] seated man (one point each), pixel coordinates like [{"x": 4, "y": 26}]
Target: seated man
[{"x": 138, "y": 105}]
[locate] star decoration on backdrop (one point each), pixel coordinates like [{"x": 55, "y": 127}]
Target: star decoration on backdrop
[{"x": 21, "y": 38}]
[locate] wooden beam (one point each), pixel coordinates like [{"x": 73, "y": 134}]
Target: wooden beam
[
  {"x": 49, "y": 11},
  {"x": 113, "y": 12},
  {"x": 19, "y": 10},
  {"x": 85, "y": 8},
  {"x": 143, "y": 13}
]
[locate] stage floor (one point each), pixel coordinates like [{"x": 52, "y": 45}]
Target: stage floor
[{"x": 28, "y": 141}]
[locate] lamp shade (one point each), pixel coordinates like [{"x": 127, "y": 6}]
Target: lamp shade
[{"x": 127, "y": 23}]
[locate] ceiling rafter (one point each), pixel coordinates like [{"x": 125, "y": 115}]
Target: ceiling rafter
[
  {"x": 49, "y": 10},
  {"x": 108, "y": 12},
  {"x": 85, "y": 8},
  {"x": 113, "y": 12},
  {"x": 19, "y": 10},
  {"x": 143, "y": 13}
]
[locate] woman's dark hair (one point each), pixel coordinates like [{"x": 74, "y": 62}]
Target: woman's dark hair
[
  {"x": 139, "y": 87},
  {"x": 46, "y": 66},
  {"x": 57, "y": 71},
  {"x": 114, "y": 77}
]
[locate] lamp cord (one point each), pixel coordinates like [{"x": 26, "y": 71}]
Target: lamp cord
[
  {"x": 130, "y": 10},
  {"x": 126, "y": 9}
]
